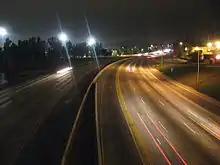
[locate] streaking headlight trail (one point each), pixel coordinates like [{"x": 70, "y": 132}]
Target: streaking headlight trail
[{"x": 64, "y": 70}]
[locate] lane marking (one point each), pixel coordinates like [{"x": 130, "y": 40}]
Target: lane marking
[
  {"x": 161, "y": 103},
  {"x": 159, "y": 141},
  {"x": 142, "y": 101},
  {"x": 170, "y": 144},
  {"x": 32, "y": 83},
  {"x": 4, "y": 100},
  {"x": 6, "y": 104},
  {"x": 154, "y": 140},
  {"x": 129, "y": 120},
  {"x": 189, "y": 128},
  {"x": 162, "y": 126},
  {"x": 196, "y": 119}
]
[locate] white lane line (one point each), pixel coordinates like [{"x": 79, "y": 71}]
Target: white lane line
[
  {"x": 6, "y": 104},
  {"x": 159, "y": 141},
  {"x": 4, "y": 95},
  {"x": 161, "y": 103},
  {"x": 162, "y": 126},
  {"x": 154, "y": 140},
  {"x": 142, "y": 101},
  {"x": 4, "y": 99},
  {"x": 189, "y": 128},
  {"x": 32, "y": 83}
]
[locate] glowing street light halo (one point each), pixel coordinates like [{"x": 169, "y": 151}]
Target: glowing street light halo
[
  {"x": 209, "y": 44},
  {"x": 62, "y": 37},
  {"x": 3, "y": 32},
  {"x": 217, "y": 44},
  {"x": 91, "y": 41}
]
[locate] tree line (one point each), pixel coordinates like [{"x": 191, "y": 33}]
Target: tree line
[{"x": 38, "y": 54}]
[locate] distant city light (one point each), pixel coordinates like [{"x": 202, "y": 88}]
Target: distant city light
[
  {"x": 64, "y": 70},
  {"x": 152, "y": 46},
  {"x": 91, "y": 41},
  {"x": 186, "y": 49},
  {"x": 3, "y": 32},
  {"x": 217, "y": 44},
  {"x": 62, "y": 37},
  {"x": 167, "y": 50},
  {"x": 209, "y": 44},
  {"x": 181, "y": 43},
  {"x": 196, "y": 48},
  {"x": 217, "y": 57}
]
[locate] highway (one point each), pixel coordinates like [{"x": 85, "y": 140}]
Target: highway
[
  {"x": 25, "y": 108},
  {"x": 145, "y": 117}
]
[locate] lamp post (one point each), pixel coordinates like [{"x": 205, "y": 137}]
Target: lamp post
[
  {"x": 198, "y": 66},
  {"x": 91, "y": 41},
  {"x": 3, "y": 34},
  {"x": 63, "y": 38}
]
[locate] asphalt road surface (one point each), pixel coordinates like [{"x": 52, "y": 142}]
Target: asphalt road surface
[
  {"x": 24, "y": 108},
  {"x": 147, "y": 118}
]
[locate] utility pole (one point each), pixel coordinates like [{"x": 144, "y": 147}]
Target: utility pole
[
  {"x": 198, "y": 69},
  {"x": 161, "y": 61}
]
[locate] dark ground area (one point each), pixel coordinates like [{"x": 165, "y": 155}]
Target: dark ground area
[{"x": 83, "y": 145}]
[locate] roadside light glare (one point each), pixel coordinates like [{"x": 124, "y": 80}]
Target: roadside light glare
[
  {"x": 186, "y": 48},
  {"x": 62, "y": 37},
  {"x": 91, "y": 41},
  {"x": 64, "y": 70},
  {"x": 197, "y": 48},
  {"x": 217, "y": 57},
  {"x": 217, "y": 44},
  {"x": 167, "y": 50},
  {"x": 3, "y": 32},
  {"x": 209, "y": 44},
  {"x": 181, "y": 43}
]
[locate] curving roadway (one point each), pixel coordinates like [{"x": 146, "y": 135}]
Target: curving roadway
[{"x": 145, "y": 117}]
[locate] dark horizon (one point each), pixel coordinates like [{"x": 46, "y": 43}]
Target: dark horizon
[{"x": 113, "y": 22}]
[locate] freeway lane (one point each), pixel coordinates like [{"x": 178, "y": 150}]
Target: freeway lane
[
  {"x": 117, "y": 144},
  {"x": 28, "y": 106},
  {"x": 166, "y": 121}
]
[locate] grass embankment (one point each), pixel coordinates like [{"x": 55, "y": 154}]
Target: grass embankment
[{"x": 209, "y": 83}]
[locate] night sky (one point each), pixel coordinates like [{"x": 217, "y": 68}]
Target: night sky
[{"x": 113, "y": 22}]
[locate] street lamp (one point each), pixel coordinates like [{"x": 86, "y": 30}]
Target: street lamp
[
  {"x": 3, "y": 32},
  {"x": 217, "y": 44},
  {"x": 91, "y": 41},
  {"x": 198, "y": 67},
  {"x": 209, "y": 44},
  {"x": 62, "y": 37}
]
